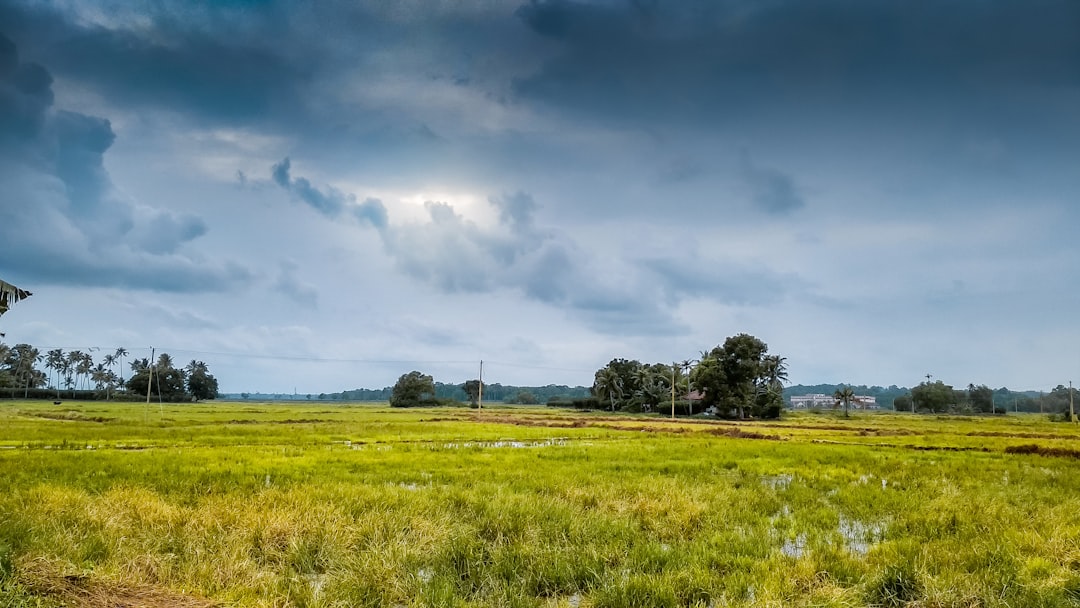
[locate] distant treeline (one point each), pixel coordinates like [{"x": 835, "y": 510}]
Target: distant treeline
[
  {"x": 492, "y": 392},
  {"x": 1003, "y": 398}
]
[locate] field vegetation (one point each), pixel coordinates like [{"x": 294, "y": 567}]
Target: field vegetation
[{"x": 105, "y": 504}]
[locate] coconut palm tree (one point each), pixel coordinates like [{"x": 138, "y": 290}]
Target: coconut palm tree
[
  {"x": 33, "y": 357},
  {"x": 650, "y": 387},
  {"x": 4, "y": 353},
  {"x": 119, "y": 355},
  {"x": 194, "y": 367},
  {"x": 72, "y": 363},
  {"x": 684, "y": 369},
  {"x": 138, "y": 365},
  {"x": 109, "y": 361},
  {"x": 23, "y": 359},
  {"x": 54, "y": 361},
  {"x": 84, "y": 368},
  {"x": 608, "y": 385},
  {"x": 844, "y": 395}
]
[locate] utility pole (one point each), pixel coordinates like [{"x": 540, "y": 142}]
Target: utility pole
[
  {"x": 1072, "y": 413},
  {"x": 673, "y": 364},
  {"x": 149, "y": 383},
  {"x": 480, "y": 390}
]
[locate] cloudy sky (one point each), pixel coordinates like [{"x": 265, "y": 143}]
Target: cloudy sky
[{"x": 320, "y": 196}]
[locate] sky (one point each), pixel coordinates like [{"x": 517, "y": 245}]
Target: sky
[{"x": 313, "y": 197}]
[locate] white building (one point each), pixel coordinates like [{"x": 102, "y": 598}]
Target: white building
[{"x": 802, "y": 402}]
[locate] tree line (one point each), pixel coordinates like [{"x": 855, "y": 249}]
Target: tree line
[
  {"x": 75, "y": 373},
  {"x": 737, "y": 379},
  {"x": 466, "y": 390},
  {"x": 938, "y": 397}
]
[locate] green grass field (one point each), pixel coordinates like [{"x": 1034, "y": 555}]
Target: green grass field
[{"x": 360, "y": 505}]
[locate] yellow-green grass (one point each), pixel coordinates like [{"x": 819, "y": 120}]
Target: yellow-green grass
[{"x": 363, "y": 505}]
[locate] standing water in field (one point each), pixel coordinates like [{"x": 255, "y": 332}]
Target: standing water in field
[
  {"x": 778, "y": 482},
  {"x": 859, "y": 536}
]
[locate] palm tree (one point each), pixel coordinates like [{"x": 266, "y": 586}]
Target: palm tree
[
  {"x": 85, "y": 367},
  {"x": 608, "y": 385},
  {"x": 119, "y": 355},
  {"x": 5, "y": 352},
  {"x": 66, "y": 370},
  {"x": 649, "y": 389},
  {"x": 164, "y": 362},
  {"x": 194, "y": 367},
  {"x": 72, "y": 366},
  {"x": 687, "y": 366},
  {"x": 773, "y": 375},
  {"x": 54, "y": 360},
  {"x": 109, "y": 361},
  {"x": 23, "y": 359},
  {"x": 138, "y": 365},
  {"x": 100, "y": 376},
  {"x": 844, "y": 395}
]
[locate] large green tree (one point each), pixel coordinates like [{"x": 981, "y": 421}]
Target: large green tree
[
  {"x": 412, "y": 390},
  {"x": 934, "y": 397},
  {"x": 981, "y": 398},
  {"x": 734, "y": 378},
  {"x": 201, "y": 384},
  {"x": 472, "y": 391},
  {"x": 162, "y": 379}
]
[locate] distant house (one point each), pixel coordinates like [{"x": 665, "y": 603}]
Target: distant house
[{"x": 803, "y": 402}]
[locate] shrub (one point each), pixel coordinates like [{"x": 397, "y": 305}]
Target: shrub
[{"x": 896, "y": 587}]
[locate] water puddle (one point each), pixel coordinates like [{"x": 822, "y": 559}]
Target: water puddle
[
  {"x": 507, "y": 443},
  {"x": 795, "y": 547},
  {"x": 777, "y": 482},
  {"x": 859, "y": 536}
]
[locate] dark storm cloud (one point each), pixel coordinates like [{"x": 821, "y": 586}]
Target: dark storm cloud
[
  {"x": 689, "y": 60},
  {"x": 61, "y": 219},
  {"x": 623, "y": 60},
  {"x": 199, "y": 59}
]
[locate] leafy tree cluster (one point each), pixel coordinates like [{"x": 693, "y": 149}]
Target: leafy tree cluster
[
  {"x": 169, "y": 383},
  {"x": 413, "y": 389},
  {"x": 631, "y": 385},
  {"x": 736, "y": 379},
  {"x": 18, "y": 367},
  {"x": 938, "y": 397},
  {"x": 1057, "y": 401},
  {"x": 76, "y": 374}
]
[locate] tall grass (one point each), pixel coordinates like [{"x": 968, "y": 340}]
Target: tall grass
[{"x": 365, "y": 506}]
